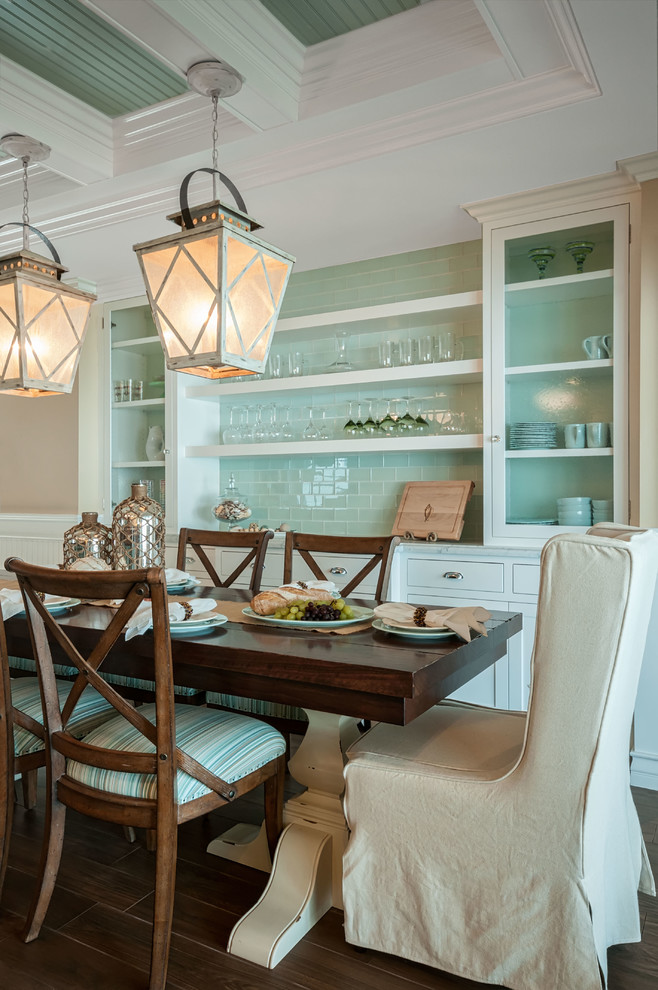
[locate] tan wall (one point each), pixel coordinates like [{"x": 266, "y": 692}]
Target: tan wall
[
  {"x": 39, "y": 454},
  {"x": 648, "y": 405}
]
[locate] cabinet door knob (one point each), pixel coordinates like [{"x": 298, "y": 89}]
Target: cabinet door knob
[
  {"x": 165, "y": 451},
  {"x": 337, "y": 570},
  {"x": 454, "y": 576},
  {"x": 495, "y": 439}
]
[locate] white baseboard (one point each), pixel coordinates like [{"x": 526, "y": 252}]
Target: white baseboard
[{"x": 644, "y": 770}]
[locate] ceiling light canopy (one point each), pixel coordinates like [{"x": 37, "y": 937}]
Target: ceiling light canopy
[
  {"x": 215, "y": 289},
  {"x": 42, "y": 320}
]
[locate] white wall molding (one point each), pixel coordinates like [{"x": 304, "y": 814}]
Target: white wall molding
[
  {"x": 579, "y": 195},
  {"x": 80, "y": 137},
  {"x": 644, "y": 770},
  {"x": 642, "y": 168}
]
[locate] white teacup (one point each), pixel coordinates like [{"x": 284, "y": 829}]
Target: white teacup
[{"x": 597, "y": 348}]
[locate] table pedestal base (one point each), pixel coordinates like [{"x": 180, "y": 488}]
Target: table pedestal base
[
  {"x": 246, "y": 844},
  {"x": 298, "y": 893}
]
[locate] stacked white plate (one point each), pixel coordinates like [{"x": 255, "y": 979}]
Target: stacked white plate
[
  {"x": 532, "y": 436},
  {"x": 602, "y": 510},
  {"x": 576, "y": 511}
]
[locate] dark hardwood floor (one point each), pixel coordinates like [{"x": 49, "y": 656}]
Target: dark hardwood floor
[{"x": 97, "y": 932}]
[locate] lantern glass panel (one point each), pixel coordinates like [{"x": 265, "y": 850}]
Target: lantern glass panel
[
  {"x": 51, "y": 343},
  {"x": 205, "y": 252},
  {"x": 156, "y": 265},
  {"x": 187, "y": 303},
  {"x": 9, "y": 367}
]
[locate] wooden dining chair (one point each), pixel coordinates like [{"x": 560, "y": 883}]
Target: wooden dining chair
[
  {"x": 378, "y": 548},
  {"x": 289, "y": 718},
  {"x": 22, "y": 736},
  {"x": 255, "y": 545},
  {"x": 152, "y": 767}
]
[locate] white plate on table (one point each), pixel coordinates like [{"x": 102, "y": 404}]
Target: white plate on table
[
  {"x": 176, "y": 589},
  {"x": 201, "y": 624},
  {"x": 361, "y": 614},
  {"x": 57, "y": 604},
  {"x": 415, "y": 632}
]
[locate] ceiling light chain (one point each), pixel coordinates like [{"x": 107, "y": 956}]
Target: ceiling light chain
[
  {"x": 26, "y": 201},
  {"x": 215, "y": 98}
]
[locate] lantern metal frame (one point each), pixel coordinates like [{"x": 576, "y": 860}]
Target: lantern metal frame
[
  {"x": 217, "y": 266},
  {"x": 35, "y": 305}
]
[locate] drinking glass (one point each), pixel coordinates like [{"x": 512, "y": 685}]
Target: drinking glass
[
  {"x": 342, "y": 362},
  {"x": 370, "y": 426},
  {"x": 421, "y": 426},
  {"x": 287, "y": 431},
  {"x": 311, "y": 432},
  {"x": 426, "y": 349},
  {"x": 232, "y": 433},
  {"x": 406, "y": 351},
  {"x": 118, "y": 390},
  {"x": 448, "y": 348},
  {"x": 244, "y": 429},
  {"x": 295, "y": 364},
  {"x": 275, "y": 366},
  {"x": 323, "y": 429},
  {"x": 350, "y": 429},
  {"x": 259, "y": 432},
  {"x": 271, "y": 427},
  {"x": 387, "y": 423},
  {"x": 387, "y": 354}
]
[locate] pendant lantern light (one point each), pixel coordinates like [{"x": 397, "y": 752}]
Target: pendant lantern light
[
  {"x": 215, "y": 289},
  {"x": 42, "y": 320}
]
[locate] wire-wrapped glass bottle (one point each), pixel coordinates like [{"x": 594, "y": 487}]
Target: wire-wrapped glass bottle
[
  {"x": 138, "y": 531},
  {"x": 88, "y": 538}
]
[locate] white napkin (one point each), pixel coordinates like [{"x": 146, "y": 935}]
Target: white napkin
[
  {"x": 11, "y": 601},
  {"x": 142, "y": 619},
  {"x": 172, "y": 576},
  {"x": 460, "y": 620},
  {"x": 89, "y": 564},
  {"x": 310, "y": 585}
]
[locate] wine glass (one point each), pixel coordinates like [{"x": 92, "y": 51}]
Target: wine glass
[
  {"x": 407, "y": 421},
  {"x": 387, "y": 423},
  {"x": 311, "y": 432},
  {"x": 350, "y": 429},
  {"x": 259, "y": 432},
  {"x": 232, "y": 433},
  {"x": 342, "y": 362},
  {"x": 287, "y": 431},
  {"x": 541, "y": 257},
  {"x": 370, "y": 426},
  {"x": 579, "y": 250},
  {"x": 271, "y": 427},
  {"x": 421, "y": 426}
]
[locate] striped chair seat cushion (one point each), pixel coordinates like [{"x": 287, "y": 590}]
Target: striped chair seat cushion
[
  {"x": 256, "y": 707},
  {"x": 227, "y": 744},
  {"x": 91, "y": 711},
  {"x": 61, "y": 669}
]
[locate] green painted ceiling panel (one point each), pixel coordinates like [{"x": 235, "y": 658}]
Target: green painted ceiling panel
[
  {"x": 68, "y": 45},
  {"x": 312, "y": 21}
]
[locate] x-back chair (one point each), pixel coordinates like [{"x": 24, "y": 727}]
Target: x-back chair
[
  {"x": 254, "y": 543},
  {"x": 152, "y": 767}
]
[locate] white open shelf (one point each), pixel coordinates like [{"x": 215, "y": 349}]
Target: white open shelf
[
  {"x": 139, "y": 464},
  {"x": 585, "y": 369},
  {"x": 139, "y": 404},
  {"x": 136, "y": 342},
  {"x": 587, "y": 285},
  {"x": 447, "y": 372},
  {"x": 563, "y": 452},
  {"x": 457, "y": 441}
]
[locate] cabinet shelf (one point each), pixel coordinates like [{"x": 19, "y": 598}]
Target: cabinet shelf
[
  {"x": 460, "y": 306},
  {"x": 563, "y": 452},
  {"x": 460, "y": 441},
  {"x": 139, "y": 404},
  {"x": 567, "y": 287},
  {"x": 139, "y": 464},
  {"x": 448, "y": 372},
  {"x": 136, "y": 342},
  {"x": 586, "y": 369}
]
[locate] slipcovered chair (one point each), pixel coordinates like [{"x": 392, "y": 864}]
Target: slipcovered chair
[
  {"x": 289, "y": 718},
  {"x": 152, "y": 767},
  {"x": 506, "y": 848}
]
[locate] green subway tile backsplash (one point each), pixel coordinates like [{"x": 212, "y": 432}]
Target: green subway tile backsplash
[{"x": 324, "y": 500}]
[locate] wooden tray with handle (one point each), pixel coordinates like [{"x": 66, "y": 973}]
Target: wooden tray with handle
[{"x": 432, "y": 510}]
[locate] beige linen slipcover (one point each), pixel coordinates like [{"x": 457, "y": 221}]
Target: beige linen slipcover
[{"x": 506, "y": 848}]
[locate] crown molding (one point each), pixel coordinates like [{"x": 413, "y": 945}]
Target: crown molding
[
  {"x": 80, "y": 137},
  {"x": 581, "y": 194},
  {"x": 642, "y": 168}
]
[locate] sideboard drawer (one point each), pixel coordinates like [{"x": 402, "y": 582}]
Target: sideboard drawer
[
  {"x": 449, "y": 574},
  {"x": 525, "y": 579},
  {"x": 340, "y": 570}
]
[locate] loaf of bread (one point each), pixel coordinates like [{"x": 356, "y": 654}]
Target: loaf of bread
[{"x": 267, "y": 602}]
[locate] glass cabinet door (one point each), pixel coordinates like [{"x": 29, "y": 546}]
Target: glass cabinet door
[{"x": 558, "y": 388}]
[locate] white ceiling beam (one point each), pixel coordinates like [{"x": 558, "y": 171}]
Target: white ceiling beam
[
  {"x": 243, "y": 34},
  {"x": 80, "y": 137}
]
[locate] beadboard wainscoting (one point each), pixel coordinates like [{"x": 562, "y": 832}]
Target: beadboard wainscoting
[{"x": 36, "y": 539}]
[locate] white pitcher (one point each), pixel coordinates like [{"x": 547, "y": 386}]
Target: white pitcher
[
  {"x": 597, "y": 348},
  {"x": 155, "y": 444}
]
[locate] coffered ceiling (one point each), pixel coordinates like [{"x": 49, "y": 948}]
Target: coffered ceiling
[{"x": 360, "y": 127}]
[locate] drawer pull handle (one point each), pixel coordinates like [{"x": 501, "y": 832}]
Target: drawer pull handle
[
  {"x": 189, "y": 560},
  {"x": 454, "y": 576},
  {"x": 337, "y": 570}
]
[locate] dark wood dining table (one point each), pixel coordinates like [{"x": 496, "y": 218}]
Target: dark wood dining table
[{"x": 338, "y": 679}]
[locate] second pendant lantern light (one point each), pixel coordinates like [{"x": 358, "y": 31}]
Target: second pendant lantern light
[{"x": 214, "y": 288}]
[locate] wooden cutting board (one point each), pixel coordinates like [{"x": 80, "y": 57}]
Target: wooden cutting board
[{"x": 433, "y": 510}]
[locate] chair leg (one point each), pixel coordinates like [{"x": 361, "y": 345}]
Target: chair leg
[
  {"x": 163, "y": 910},
  {"x": 129, "y": 833},
  {"x": 51, "y": 854},
  {"x": 274, "y": 805},
  {"x": 151, "y": 840},
  {"x": 7, "y": 801},
  {"x": 29, "y": 783}
]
